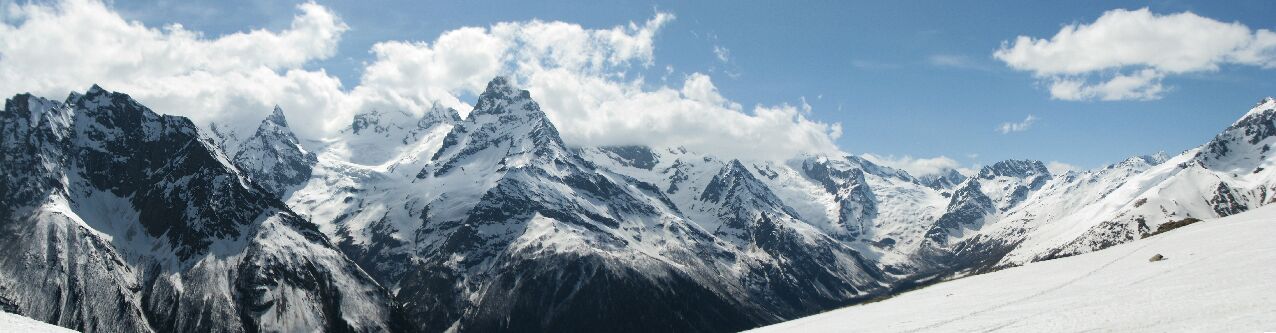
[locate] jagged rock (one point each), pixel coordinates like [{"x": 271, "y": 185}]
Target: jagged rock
[
  {"x": 117, "y": 219},
  {"x": 274, "y": 158}
]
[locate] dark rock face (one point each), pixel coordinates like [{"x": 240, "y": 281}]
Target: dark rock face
[
  {"x": 755, "y": 218},
  {"x": 967, "y": 208},
  {"x": 138, "y": 154},
  {"x": 856, "y": 202},
  {"x": 274, "y": 158},
  {"x": 1225, "y": 202},
  {"x": 635, "y": 156},
  {"x": 122, "y": 220}
]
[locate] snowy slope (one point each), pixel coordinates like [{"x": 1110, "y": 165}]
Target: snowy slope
[
  {"x": 1218, "y": 277},
  {"x": 114, "y": 218},
  {"x": 15, "y": 323},
  {"x": 1081, "y": 213}
]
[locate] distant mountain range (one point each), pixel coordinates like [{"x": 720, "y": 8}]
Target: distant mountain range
[{"x": 119, "y": 219}]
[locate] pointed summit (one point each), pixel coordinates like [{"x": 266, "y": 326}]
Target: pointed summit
[
  {"x": 438, "y": 114},
  {"x": 506, "y": 122},
  {"x": 273, "y": 157},
  {"x": 1245, "y": 144},
  {"x": 277, "y": 117},
  {"x": 95, "y": 89},
  {"x": 737, "y": 188},
  {"x": 1264, "y": 106},
  {"x": 91, "y": 94},
  {"x": 501, "y": 97},
  {"x": 500, "y": 84}
]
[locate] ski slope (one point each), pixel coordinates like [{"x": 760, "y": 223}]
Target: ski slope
[
  {"x": 14, "y": 323},
  {"x": 1219, "y": 276}
]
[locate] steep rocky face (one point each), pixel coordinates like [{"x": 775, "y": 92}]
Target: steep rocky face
[
  {"x": 1243, "y": 146},
  {"x": 943, "y": 181},
  {"x": 641, "y": 157},
  {"x": 968, "y": 209},
  {"x": 493, "y": 257},
  {"x": 505, "y": 127},
  {"x": 136, "y": 223},
  {"x": 764, "y": 227},
  {"x": 273, "y": 158},
  {"x": 857, "y": 205}
]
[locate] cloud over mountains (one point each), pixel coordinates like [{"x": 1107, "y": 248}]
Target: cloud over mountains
[{"x": 587, "y": 80}]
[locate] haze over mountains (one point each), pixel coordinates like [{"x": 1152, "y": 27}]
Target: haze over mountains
[{"x": 119, "y": 219}]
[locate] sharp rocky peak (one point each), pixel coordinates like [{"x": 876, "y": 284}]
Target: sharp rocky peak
[
  {"x": 438, "y": 114},
  {"x": 501, "y": 97},
  {"x": 504, "y": 118},
  {"x": 1247, "y": 136},
  {"x": 273, "y": 157},
  {"x": 1014, "y": 168},
  {"x": 1267, "y": 105},
  {"x": 277, "y": 117},
  {"x": 735, "y": 180}
]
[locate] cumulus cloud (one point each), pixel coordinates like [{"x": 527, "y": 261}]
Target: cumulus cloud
[
  {"x": 53, "y": 49},
  {"x": 918, "y": 167},
  {"x": 1129, "y": 52},
  {"x": 1059, "y": 168},
  {"x": 1009, "y": 127},
  {"x": 587, "y": 80}
]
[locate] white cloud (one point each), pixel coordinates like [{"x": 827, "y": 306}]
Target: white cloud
[
  {"x": 1130, "y": 52},
  {"x": 723, "y": 54},
  {"x": 583, "y": 78},
  {"x": 1008, "y": 127},
  {"x": 51, "y": 50},
  {"x": 918, "y": 167},
  {"x": 1059, "y": 168},
  {"x": 954, "y": 61}
]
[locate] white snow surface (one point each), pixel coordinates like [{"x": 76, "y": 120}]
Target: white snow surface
[
  {"x": 1218, "y": 276},
  {"x": 15, "y": 323}
]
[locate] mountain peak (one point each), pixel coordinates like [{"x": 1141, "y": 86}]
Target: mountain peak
[
  {"x": 499, "y": 83},
  {"x": 438, "y": 114},
  {"x": 501, "y": 97},
  {"x": 1265, "y": 105},
  {"x": 95, "y": 90},
  {"x": 277, "y": 117},
  {"x": 734, "y": 179},
  {"x": 1014, "y": 168},
  {"x": 91, "y": 94}
]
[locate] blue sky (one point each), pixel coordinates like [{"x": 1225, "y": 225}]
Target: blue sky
[{"x": 902, "y": 77}]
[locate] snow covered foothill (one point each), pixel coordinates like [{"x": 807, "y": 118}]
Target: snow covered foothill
[{"x": 1217, "y": 276}]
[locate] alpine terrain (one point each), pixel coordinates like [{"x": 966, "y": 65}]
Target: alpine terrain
[{"x": 120, "y": 219}]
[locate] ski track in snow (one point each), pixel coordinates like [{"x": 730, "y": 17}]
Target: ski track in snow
[
  {"x": 1217, "y": 277},
  {"x": 1032, "y": 296}
]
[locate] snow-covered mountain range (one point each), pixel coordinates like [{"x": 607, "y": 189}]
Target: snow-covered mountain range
[{"x": 120, "y": 219}]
